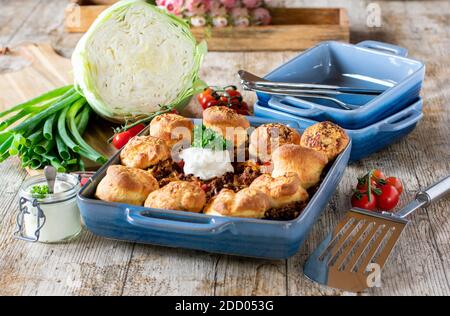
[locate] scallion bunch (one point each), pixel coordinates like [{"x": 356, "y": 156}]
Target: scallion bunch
[{"x": 47, "y": 130}]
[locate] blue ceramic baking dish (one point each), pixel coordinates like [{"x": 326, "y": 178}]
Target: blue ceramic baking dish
[
  {"x": 234, "y": 236},
  {"x": 366, "y": 140},
  {"x": 368, "y": 64}
]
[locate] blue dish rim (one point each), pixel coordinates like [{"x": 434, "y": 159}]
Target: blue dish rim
[{"x": 385, "y": 95}]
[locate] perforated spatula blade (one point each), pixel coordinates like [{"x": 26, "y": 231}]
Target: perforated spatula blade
[{"x": 362, "y": 242}]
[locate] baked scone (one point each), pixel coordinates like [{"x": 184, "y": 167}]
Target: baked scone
[
  {"x": 281, "y": 191},
  {"x": 228, "y": 123},
  {"x": 325, "y": 137},
  {"x": 143, "y": 152},
  {"x": 308, "y": 164},
  {"x": 178, "y": 196},
  {"x": 126, "y": 185},
  {"x": 172, "y": 128},
  {"x": 267, "y": 138},
  {"x": 248, "y": 203}
]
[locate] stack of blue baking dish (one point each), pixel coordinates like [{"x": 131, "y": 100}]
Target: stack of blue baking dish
[{"x": 375, "y": 121}]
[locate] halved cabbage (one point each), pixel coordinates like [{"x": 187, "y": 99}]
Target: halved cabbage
[{"x": 135, "y": 58}]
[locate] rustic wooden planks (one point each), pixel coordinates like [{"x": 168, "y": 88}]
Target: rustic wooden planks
[
  {"x": 420, "y": 263},
  {"x": 292, "y": 29}
]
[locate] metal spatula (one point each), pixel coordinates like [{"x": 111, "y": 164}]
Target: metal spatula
[{"x": 362, "y": 243}]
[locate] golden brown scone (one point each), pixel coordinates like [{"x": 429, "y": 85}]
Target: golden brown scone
[
  {"x": 281, "y": 191},
  {"x": 221, "y": 118},
  {"x": 267, "y": 138},
  {"x": 172, "y": 128},
  {"x": 306, "y": 163},
  {"x": 126, "y": 185},
  {"x": 143, "y": 152},
  {"x": 248, "y": 203},
  {"x": 178, "y": 196},
  {"x": 326, "y": 137}
]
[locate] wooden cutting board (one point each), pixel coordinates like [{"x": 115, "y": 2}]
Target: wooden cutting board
[{"x": 30, "y": 70}]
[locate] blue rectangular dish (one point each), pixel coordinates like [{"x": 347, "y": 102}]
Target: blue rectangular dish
[
  {"x": 366, "y": 140},
  {"x": 234, "y": 236},
  {"x": 368, "y": 64}
]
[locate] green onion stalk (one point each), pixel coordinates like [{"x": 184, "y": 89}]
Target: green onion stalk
[{"x": 48, "y": 130}]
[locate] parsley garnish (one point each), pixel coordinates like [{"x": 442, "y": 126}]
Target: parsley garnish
[
  {"x": 39, "y": 191},
  {"x": 208, "y": 138}
]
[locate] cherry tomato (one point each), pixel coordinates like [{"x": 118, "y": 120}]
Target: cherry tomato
[
  {"x": 208, "y": 95},
  {"x": 378, "y": 174},
  {"x": 135, "y": 130},
  {"x": 361, "y": 200},
  {"x": 244, "y": 106},
  {"x": 395, "y": 182},
  {"x": 211, "y": 103},
  {"x": 362, "y": 184},
  {"x": 388, "y": 199},
  {"x": 121, "y": 139}
]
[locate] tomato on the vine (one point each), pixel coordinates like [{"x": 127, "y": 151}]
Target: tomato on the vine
[
  {"x": 123, "y": 138},
  {"x": 206, "y": 97},
  {"x": 389, "y": 198},
  {"x": 361, "y": 200},
  {"x": 378, "y": 175},
  {"x": 364, "y": 186},
  {"x": 395, "y": 182}
]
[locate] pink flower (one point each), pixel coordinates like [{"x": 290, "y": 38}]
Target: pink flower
[
  {"x": 229, "y": 4},
  {"x": 217, "y": 9},
  {"x": 171, "y": 6},
  {"x": 261, "y": 16},
  {"x": 198, "y": 7},
  {"x": 252, "y": 4},
  {"x": 220, "y": 21},
  {"x": 239, "y": 12},
  {"x": 240, "y": 17}
]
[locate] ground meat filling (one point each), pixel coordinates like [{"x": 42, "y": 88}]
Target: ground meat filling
[
  {"x": 286, "y": 213},
  {"x": 244, "y": 175},
  {"x": 166, "y": 172}
]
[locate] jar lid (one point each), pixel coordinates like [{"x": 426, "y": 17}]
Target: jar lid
[{"x": 66, "y": 187}]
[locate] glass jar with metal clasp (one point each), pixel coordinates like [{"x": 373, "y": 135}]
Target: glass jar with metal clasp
[{"x": 49, "y": 217}]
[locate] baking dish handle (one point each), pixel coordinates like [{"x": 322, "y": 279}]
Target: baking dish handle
[
  {"x": 393, "y": 49},
  {"x": 401, "y": 121},
  {"x": 299, "y": 107},
  {"x": 176, "y": 223}
]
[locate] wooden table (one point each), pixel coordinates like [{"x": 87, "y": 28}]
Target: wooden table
[{"x": 91, "y": 265}]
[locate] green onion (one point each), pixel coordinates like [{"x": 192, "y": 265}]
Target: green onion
[
  {"x": 70, "y": 162},
  {"x": 13, "y": 119},
  {"x": 4, "y": 147},
  {"x": 35, "y": 162},
  {"x": 16, "y": 144},
  {"x": 48, "y": 127},
  {"x": 44, "y": 147},
  {"x": 54, "y": 162},
  {"x": 63, "y": 132},
  {"x": 86, "y": 150},
  {"x": 44, "y": 97},
  {"x": 34, "y": 138},
  {"x": 68, "y": 98},
  {"x": 82, "y": 119},
  {"x": 63, "y": 150}
]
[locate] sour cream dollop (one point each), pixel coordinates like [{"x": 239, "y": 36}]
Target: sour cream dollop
[{"x": 206, "y": 164}]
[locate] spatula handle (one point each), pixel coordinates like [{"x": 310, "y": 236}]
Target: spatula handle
[{"x": 435, "y": 192}]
